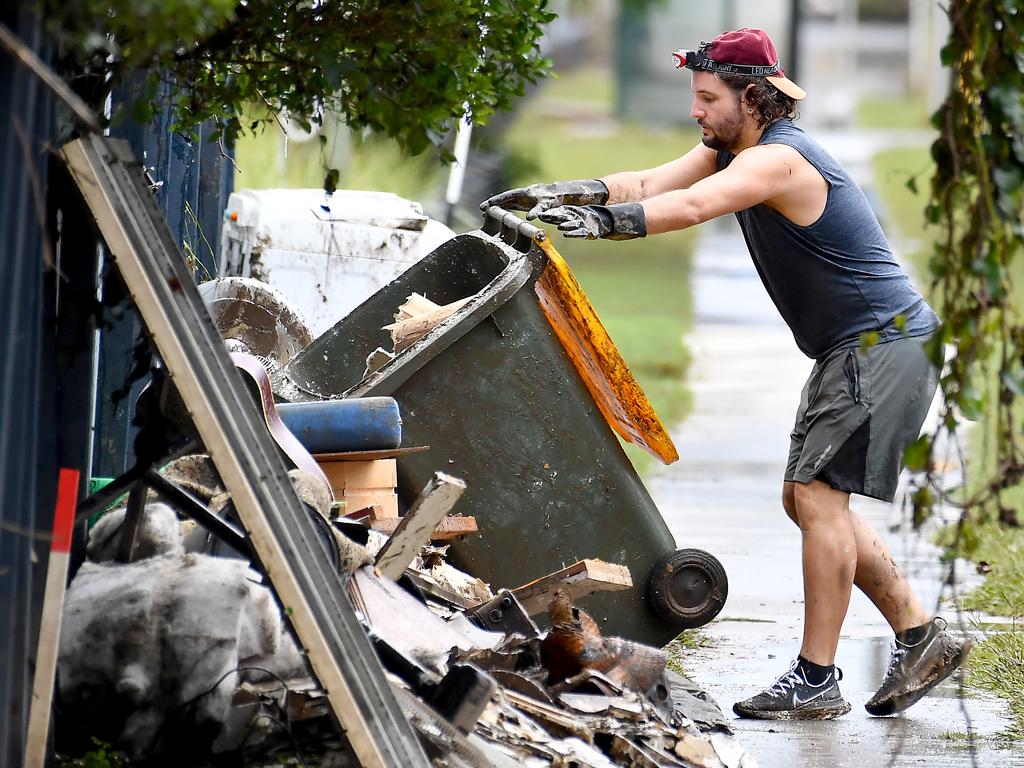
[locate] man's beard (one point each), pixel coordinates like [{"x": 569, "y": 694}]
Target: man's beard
[{"x": 725, "y": 136}]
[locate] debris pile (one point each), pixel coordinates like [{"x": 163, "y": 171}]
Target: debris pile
[{"x": 182, "y": 652}]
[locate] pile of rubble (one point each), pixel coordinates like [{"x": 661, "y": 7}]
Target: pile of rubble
[{"x": 184, "y": 653}]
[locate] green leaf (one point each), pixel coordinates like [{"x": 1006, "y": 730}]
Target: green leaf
[
  {"x": 142, "y": 111},
  {"x": 923, "y": 500},
  {"x": 972, "y": 407},
  {"x": 331, "y": 181},
  {"x": 918, "y": 455},
  {"x": 1009, "y": 180},
  {"x": 868, "y": 339},
  {"x": 375, "y": 65}
]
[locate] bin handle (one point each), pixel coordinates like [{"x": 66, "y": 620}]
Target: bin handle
[
  {"x": 513, "y": 230},
  {"x": 483, "y": 304}
]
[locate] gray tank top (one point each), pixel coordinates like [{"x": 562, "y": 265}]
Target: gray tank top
[{"x": 836, "y": 278}]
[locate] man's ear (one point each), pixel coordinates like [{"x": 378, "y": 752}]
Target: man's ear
[{"x": 748, "y": 105}]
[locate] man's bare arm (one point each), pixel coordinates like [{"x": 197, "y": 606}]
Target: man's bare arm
[
  {"x": 683, "y": 172},
  {"x": 755, "y": 176}
]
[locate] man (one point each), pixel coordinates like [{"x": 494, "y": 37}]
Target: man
[{"x": 827, "y": 266}]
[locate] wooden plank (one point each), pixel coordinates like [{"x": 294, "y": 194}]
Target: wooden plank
[
  {"x": 415, "y": 304},
  {"x": 49, "y": 626},
  {"x": 385, "y": 501},
  {"x": 562, "y": 722},
  {"x": 577, "y": 580},
  {"x": 449, "y": 527},
  {"x": 429, "y": 588},
  {"x": 383, "y": 453},
  {"x": 436, "y": 501}
]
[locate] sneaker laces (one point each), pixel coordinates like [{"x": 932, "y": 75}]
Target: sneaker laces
[
  {"x": 787, "y": 682},
  {"x": 900, "y": 649},
  {"x": 898, "y": 652}
]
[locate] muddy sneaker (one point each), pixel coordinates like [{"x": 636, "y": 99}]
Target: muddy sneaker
[
  {"x": 791, "y": 697},
  {"x": 916, "y": 669}
]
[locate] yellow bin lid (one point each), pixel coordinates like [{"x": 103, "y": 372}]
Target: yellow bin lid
[{"x": 607, "y": 376}]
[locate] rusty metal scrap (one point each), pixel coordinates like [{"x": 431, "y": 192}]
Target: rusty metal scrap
[{"x": 575, "y": 645}]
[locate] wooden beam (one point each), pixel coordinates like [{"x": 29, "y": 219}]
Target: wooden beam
[
  {"x": 449, "y": 527},
  {"x": 382, "y": 453},
  {"x": 131, "y": 523},
  {"x": 436, "y": 501},
  {"x": 49, "y": 625},
  {"x": 577, "y": 580},
  {"x": 28, "y": 59}
]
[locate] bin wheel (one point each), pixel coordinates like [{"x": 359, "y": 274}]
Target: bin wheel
[{"x": 688, "y": 587}]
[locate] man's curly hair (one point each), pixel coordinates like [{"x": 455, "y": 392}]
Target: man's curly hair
[{"x": 770, "y": 104}]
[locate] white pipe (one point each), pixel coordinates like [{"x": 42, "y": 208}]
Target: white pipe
[{"x": 458, "y": 171}]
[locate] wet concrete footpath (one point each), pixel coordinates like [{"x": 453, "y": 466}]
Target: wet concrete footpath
[{"x": 724, "y": 496}]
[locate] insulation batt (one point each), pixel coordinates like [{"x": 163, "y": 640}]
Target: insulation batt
[
  {"x": 152, "y": 651},
  {"x": 159, "y": 534}
]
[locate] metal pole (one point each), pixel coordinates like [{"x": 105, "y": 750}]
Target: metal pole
[{"x": 458, "y": 170}]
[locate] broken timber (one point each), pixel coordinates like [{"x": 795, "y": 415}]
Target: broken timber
[
  {"x": 49, "y": 625},
  {"x": 417, "y": 317},
  {"x": 449, "y": 528},
  {"x": 436, "y": 501},
  {"x": 311, "y": 592},
  {"x": 577, "y": 580}
]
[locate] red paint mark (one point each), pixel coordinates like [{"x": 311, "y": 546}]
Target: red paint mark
[{"x": 64, "y": 514}]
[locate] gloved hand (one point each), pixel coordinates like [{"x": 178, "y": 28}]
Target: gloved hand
[
  {"x": 622, "y": 221},
  {"x": 537, "y": 198}
]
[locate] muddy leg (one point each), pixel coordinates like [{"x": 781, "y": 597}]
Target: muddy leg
[{"x": 877, "y": 574}]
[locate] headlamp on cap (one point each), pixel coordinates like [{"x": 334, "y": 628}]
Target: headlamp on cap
[
  {"x": 691, "y": 59},
  {"x": 699, "y": 60}
]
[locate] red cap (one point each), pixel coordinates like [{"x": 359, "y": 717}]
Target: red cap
[{"x": 751, "y": 48}]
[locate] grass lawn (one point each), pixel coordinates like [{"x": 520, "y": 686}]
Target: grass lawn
[
  {"x": 640, "y": 288},
  {"x": 886, "y": 112},
  {"x": 266, "y": 161},
  {"x": 997, "y": 663}
]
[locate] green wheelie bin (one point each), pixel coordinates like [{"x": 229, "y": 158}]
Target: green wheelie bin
[{"x": 521, "y": 394}]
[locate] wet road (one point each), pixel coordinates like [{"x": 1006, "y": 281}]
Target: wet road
[{"x": 723, "y": 496}]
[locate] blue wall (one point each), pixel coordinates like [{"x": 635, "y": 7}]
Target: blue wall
[
  {"x": 47, "y": 327},
  {"x": 28, "y": 388}
]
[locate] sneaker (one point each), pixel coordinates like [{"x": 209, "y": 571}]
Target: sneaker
[
  {"x": 916, "y": 669},
  {"x": 791, "y": 697}
]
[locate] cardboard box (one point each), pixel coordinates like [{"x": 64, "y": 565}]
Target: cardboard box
[{"x": 364, "y": 484}]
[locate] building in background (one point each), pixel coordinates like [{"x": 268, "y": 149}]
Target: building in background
[{"x": 839, "y": 50}]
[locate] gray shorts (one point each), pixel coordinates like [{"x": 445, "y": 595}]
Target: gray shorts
[{"x": 858, "y": 412}]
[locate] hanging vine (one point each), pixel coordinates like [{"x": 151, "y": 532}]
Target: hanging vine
[{"x": 977, "y": 204}]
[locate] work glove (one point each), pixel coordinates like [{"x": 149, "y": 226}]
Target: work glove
[
  {"x": 537, "y": 198},
  {"x": 622, "y": 221}
]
